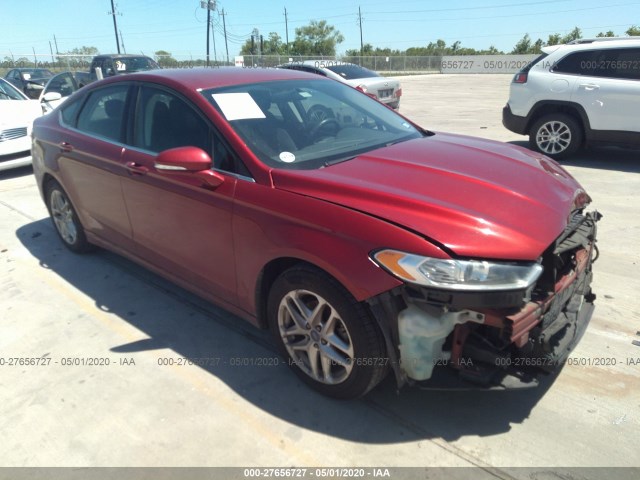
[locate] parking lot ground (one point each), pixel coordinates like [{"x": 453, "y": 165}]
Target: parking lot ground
[{"x": 114, "y": 388}]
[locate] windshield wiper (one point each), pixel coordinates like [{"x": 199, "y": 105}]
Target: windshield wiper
[{"x": 338, "y": 160}]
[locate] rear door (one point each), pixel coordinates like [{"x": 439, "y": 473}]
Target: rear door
[
  {"x": 608, "y": 86},
  {"x": 179, "y": 225},
  {"x": 90, "y": 162}
]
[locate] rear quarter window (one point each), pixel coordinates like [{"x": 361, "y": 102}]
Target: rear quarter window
[{"x": 623, "y": 63}]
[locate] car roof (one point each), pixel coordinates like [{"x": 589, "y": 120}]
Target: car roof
[
  {"x": 321, "y": 63},
  {"x": 595, "y": 44},
  {"x": 205, "y": 78},
  {"x": 31, "y": 69},
  {"x": 119, "y": 55}
]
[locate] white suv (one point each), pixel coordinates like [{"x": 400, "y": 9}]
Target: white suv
[{"x": 584, "y": 92}]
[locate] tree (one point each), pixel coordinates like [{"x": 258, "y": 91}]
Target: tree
[
  {"x": 78, "y": 57},
  {"x": 574, "y": 34},
  {"x": 523, "y": 45},
  {"x": 272, "y": 45},
  {"x": 554, "y": 39},
  {"x": 317, "y": 38},
  {"x": 606, "y": 34},
  {"x": 633, "y": 31},
  {"x": 165, "y": 60}
]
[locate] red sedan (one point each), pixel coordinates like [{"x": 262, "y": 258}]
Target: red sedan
[{"x": 365, "y": 243}]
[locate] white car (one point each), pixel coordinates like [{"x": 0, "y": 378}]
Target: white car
[
  {"x": 384, "y": 89},
  {"x": 17, "y": 113},
  {"x": 583, "y": 93}
]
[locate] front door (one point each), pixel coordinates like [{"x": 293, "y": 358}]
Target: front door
[{"x": 179, "y": 225}]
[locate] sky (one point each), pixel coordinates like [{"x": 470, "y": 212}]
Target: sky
[{"x": 179, "y": 26}]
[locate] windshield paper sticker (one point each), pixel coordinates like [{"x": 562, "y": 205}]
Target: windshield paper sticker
[
  {"x": 121, "y": 66},
  {"x": 238, "y": 106}
]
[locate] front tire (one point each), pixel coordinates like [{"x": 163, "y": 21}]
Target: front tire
[
  {"x": 328, "y": 338},
  {"x": 557, "y": 135},
  {"x": 65, "y": 219}
]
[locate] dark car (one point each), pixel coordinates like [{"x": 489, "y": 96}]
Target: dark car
[
  {"x": 30, "y": 80},
  {"x": 120, "y": 64},
  {"x": 365, "y": 243}
]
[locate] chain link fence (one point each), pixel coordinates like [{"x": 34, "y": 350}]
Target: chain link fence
[{"x": 392, "y": 65}]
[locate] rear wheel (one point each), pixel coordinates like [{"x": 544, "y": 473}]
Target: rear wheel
[
  {"x": 328, "y": 338},
  {"x": 65, "y": 220},
  {"x": 557, "y": 135}
]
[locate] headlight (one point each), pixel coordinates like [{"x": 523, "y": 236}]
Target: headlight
[{"x": 453, "y": 274}]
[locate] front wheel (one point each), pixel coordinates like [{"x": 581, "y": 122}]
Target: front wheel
[
  {"x": 328, "y": 338},
  {"x": 65, "y": 219},
  {"x": 557, "y": 135}
]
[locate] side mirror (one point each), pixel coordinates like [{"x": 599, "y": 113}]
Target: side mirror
[{"x": 191, "y": 160}]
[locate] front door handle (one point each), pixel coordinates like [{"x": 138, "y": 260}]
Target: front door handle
[
  {"x": 66, "y": 147},
  {"x": 136, "y": 169}
]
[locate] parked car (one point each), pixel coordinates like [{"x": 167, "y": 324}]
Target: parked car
[
  {"x": 17, "y": 113},
  {"x": 58, "y": 88},
  {"x": 120, "y": 64},
  {"x": 386, "y": 90},
  {"x": 365, "y": 243},
  {"x": 29, "y": 80},
  {"x": 586, "y": 92}
]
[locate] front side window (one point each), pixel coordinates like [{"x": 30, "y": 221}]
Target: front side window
[
  {"x": 307, "y": 124},
  {"x": 103, "y": 113},
  {"x": 165, "y": 121}
]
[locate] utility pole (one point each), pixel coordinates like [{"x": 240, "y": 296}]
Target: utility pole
[
  {"x": 213, "y": 37},
  {"x": 286, "y": 28},
  {"x": 51, "y": 49},
  {"x": 360, "y": 22},
  {"x": 209, "y": 5},
  {"x": 224, "y": 25},
  {"x": 55, "y": 40},
  {"x": 122, "y": 42},
  {"x": 113, "y": 13}
]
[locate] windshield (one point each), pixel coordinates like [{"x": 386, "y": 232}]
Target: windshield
[
  {"x": 307, "y": 124},
  {"x": 8, "y": 92},
  {"x": 351, "y": 72},
  {"x": 134, "y": 64}
]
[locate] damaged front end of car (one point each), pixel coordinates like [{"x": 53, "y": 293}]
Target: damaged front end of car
[{"x": 483, "y": 324}]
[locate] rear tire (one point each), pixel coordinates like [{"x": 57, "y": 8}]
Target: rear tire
[
  {"x": 328, "y": 338},
  {"x": 65, "y": 219},
  {"x": 557, "y": 135}
]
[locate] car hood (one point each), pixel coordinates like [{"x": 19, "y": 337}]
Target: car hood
[
  {"x": 477, "y": 198},
  {"x": 18, "y": 113}
]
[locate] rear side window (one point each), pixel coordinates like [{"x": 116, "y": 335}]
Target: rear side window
[
  {"x": 621, "y": 63},
  {"x": 103, "y": 113}
]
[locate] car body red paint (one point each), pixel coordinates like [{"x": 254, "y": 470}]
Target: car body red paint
[{"x": 227, "y": 233}]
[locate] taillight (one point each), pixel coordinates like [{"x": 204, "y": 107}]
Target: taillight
[
  {"x": 363, "y": 89},
  {"x": 399, "y": 93},
  {"x": 520, "y": 78}
]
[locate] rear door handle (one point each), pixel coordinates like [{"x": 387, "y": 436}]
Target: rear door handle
[
  {"x": 66, "y": 146},
  {"x": 589, "y": 86},
  {"x": 136, "y": 169}
]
